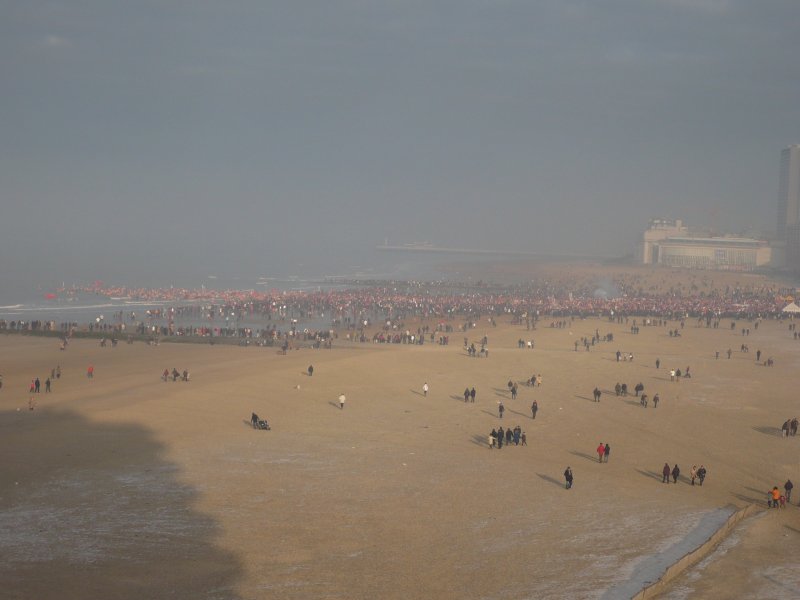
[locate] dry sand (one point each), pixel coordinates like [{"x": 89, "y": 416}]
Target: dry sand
[{"x": 124, "y": 486}]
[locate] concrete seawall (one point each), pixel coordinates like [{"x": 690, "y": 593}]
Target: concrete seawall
[{"x": 691, "y": 558}]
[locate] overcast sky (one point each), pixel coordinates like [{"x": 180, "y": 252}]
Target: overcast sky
[{"x": 194, "y": 135}]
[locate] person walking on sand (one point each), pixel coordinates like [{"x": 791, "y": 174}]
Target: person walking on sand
[
  {"x": 472, "y": 395},
  {"x": 675, "y": 473},
  {"x": 701, "y": 474},
  {"x": 665, "y": 473},
  {"x": 655, "y": 401},
  {"x": 425, "y": 389},
  {"x": 47, "y": 386},
  {"x": 501, "y": 409},
  {"x": 523, "y": 439},
  {"x": 310, "y": 370},
  {"x": 607, "y": 452},
  {"x": 693, "y": 473},
  {"x": 788, "y": 487},
  {"x": 568, "y": 478},
  {"x": 776, "y": 497},
  {"x": 341, "y": 401},
  {"x": 466, "y": 395},
  {"x": 658, "y": 363},
  {"x": 601, "y": 451},
  {"x": 90, "y": 372},
  {"x": 534, "y": 409}
]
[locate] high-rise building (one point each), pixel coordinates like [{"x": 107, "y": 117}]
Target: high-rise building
[
  {"x": 789, "y": 190},
  {"x": 788, "y": 232}
]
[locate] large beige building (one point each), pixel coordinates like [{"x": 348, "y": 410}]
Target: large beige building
[
  {"x": 658, "y": 230},
  {"x": 669, "y": 243},
  {"x": 733, "y": 254}
]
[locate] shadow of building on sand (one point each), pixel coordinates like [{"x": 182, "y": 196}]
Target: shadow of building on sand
[{"x": 125, "y": 520}]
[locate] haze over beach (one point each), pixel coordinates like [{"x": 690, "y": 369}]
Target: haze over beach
[
  {"x": 338, "y": 219},
  {"x": 251, "y": 139}
]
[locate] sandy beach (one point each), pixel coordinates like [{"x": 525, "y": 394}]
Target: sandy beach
[{"x": 126, "y": 486}]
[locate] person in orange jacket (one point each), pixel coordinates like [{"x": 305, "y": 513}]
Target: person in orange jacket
[{"x": 776, "y": 497}]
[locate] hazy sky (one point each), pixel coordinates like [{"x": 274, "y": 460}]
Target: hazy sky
[{"x": 161, "y": 135}]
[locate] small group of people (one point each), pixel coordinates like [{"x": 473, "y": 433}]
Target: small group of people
[
  {"x": 643, "y": 400},
  {"x": 469, "y": 394},
  {"x": 175, "y": 375},
  {"x": 676, "y": 374},
  {"x": 603, "y": 452},
  {"x": 36, "y": 386},
  {"x": 789, "y": 427},
  {"x": 510, "y": 436},
  {"x": 696, "y": 473},
  {"x": 534, "y": 381},
  {"x": 513, "y": 389},
  {"x": 775, "y": 499}
]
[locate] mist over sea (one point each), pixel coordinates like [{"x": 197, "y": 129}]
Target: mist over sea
[{"x": 28, "y": 298}]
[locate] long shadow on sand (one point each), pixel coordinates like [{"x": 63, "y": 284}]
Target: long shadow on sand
[
  {"x": 584, "y": 398},
  {"x": 776, "y": 431},
  {"x": 745, "y": 498},
  {"x": 105, "y": 502},
  {"x": 516, "y": 412},
  {"x": 651, "y": 474},
  {"x": 790, "y": 528},
  {"x": 552, "y": 480},
  {"x": 584, "y": 455},
  {"x": 480, "y": 440}
]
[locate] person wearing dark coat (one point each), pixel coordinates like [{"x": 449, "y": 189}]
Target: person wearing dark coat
[
  {"x": 466, "y": 394},
  {"x": 665, "y": 473},
  {"x": 675, "y": 473},
  {"x": 568, "y": 477},
  {"x": 472, "y": 395},
  {"x": 788, "y": 487}
]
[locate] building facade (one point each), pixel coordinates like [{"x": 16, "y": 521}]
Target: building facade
[
  {"x": 657, "y": 230},
  {"x": 722, "y": 253},
  {"x": 789, "y": 190}
]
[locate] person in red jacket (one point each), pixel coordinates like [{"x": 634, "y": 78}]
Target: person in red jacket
[{"x": 601, "y": 450}]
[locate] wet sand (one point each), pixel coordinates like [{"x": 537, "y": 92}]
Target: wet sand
[{"x": 128, "y": 487}]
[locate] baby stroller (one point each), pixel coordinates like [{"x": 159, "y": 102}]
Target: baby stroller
[{"x": 259, "y": 423}]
